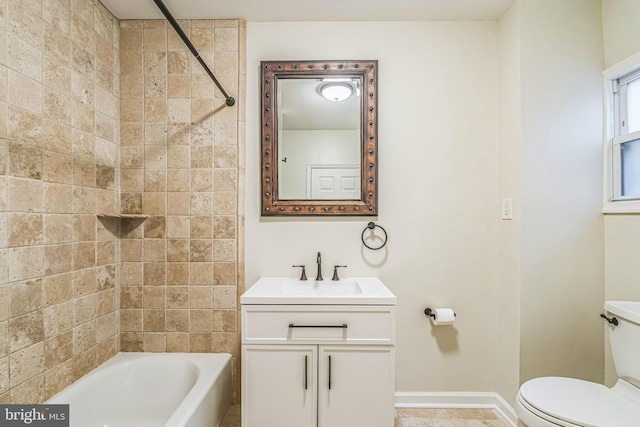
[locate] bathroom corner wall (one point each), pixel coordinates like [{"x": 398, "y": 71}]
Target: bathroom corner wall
[
  {"x": 180, "y": 165},
  {"x": 562, "y": 226},
  {"x": 59, "y": 138},
  {"x": 509, "y": 242},
  {"x": 550, "y": 256},
  {"x": 622, "y": 232}
]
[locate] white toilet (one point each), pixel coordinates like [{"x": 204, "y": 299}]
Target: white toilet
[{"x": 558, "y": 401}]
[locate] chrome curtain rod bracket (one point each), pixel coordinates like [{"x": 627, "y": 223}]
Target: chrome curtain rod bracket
[{"x": 228, "y": 100}]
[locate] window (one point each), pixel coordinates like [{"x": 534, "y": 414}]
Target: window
[
  {"x": 622, "y": 137},
  {"x": 626, "y": 141}
]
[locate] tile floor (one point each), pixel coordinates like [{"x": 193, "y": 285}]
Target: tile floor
[
  {"x": 417, "y": 417},
  {"x": 422, "y": 417},
  {"x": 233, "y": 417}
]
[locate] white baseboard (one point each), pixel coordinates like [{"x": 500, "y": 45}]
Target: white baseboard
[{"x": 487, "y": 400}]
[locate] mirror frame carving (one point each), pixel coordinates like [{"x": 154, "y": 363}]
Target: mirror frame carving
[{"x": 366, "y": 71}]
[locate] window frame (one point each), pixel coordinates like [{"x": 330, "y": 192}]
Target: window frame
[{"x": 612, "y": 200}]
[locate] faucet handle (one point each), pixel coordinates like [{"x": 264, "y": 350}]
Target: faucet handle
[
  {"x": 303, "y": 276},
  {"x": 335, "y": 271}
]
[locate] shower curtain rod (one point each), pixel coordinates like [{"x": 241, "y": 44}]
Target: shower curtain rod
[{"x": 228, "y": 100}]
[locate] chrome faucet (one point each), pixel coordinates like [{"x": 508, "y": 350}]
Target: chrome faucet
[{"x": 319, "y": 261}]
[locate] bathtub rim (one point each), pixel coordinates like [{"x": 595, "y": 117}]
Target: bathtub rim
[{"x": 210, "y": 367}]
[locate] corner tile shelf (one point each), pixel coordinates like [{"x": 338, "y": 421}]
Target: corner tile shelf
[
  {"x": 123, "y": 216},
  {"x": 115, "y": 223}
]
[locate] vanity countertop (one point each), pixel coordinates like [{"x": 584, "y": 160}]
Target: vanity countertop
[{"x": 289, "y": 291}]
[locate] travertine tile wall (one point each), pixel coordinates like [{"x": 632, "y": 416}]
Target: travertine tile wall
[
  {"x": 59, "y": 139},
  {"x": 180, "y": 165}
]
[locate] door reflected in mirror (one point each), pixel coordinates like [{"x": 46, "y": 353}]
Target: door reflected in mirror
[{"x": 319, "y": 138}]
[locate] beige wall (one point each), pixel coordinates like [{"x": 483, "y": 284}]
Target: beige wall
[
  {"x": 621, "y": 40},
  {"x": 180, "y": 166},
  {"x": 620, "y": 24},
  {"x": 551, "y": 255},
  {"x": 529, "y": 129},
  {"x": 561, "y": 171},
  {"x": 437, "y": 144},
  {"x": 59, "y": 159},
  {"x": 509, "y": 242}
]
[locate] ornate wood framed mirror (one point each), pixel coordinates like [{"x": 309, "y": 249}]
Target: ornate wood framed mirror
[{"x": 319, "y": 138}]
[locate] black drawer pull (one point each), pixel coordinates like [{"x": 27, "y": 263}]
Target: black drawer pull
[{"x": 343, "y": 326}]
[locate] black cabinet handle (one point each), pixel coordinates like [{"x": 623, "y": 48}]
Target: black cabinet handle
[
  {"x": 343, "y": 326},
  {"x": 305, "y": 372},
  {"x": 329, "y": 372}
]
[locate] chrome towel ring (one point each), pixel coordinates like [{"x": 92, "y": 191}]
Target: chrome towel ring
[{"x": 373, "y": 226}]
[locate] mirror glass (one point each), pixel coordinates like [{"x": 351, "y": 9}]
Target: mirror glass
[{"x": 319, "y": 138}]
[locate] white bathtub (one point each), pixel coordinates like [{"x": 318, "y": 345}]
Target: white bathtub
[{"x": 152, "y": 390}]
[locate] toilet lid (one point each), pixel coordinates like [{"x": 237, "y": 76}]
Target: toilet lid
[{"x": 580, "y": 402}]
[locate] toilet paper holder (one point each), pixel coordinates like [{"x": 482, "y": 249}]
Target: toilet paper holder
[{"x": 429, "y": 312}]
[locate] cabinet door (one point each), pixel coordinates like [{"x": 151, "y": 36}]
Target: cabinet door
[
  {"x": 279, "y": 386},
  {"x": 355, "y": 386}
]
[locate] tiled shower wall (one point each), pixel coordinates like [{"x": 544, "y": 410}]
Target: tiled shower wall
[
  {"x": 59, "y": 137},
  {"x": 179, "y": 165},
  {"x": 65, "y": 273}
]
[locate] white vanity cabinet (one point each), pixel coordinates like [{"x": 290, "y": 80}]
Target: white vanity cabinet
[
  {"x": 361, "y": 386},
  {"x": 278, "y": 385},
  {"x": 318, "y": 365}
]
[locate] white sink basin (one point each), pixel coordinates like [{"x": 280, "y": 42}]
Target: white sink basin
[
  {"x": 320, "y": 288},
  {"x": 353, "y": 291}
]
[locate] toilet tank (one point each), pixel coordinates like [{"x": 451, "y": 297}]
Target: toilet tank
[{"x": 625, "y": 339}]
